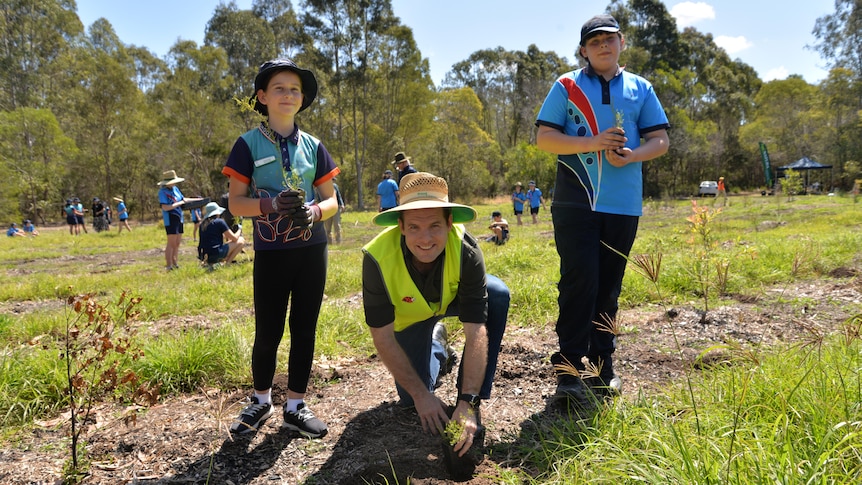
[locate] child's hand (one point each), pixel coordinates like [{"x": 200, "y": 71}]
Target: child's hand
[
  {"x": 611, "y": 139},
  {"x": 619, "y": 157}
]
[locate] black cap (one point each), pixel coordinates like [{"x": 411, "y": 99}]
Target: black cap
[
  {"x": 599, "y": 23},
  {"x": 270, "y": 68},
  {"x": 496, "y": 214}
]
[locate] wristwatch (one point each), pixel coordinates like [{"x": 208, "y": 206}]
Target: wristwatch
[{"x": 472, "y": 399}]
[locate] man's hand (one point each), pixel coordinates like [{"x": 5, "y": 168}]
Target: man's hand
[
  {"x": 619, "y": 157},
  {"x": 432, "y": 413},
  {"x": 465, "y": 415}
]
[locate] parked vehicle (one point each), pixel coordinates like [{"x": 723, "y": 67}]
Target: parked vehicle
[{"x": 708, "y": 187}]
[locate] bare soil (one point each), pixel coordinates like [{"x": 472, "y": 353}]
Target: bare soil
[{"x": 184, "y": 440}]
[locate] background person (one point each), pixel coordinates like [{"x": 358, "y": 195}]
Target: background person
[
  {"x": 289, "y": 238},
  {"x": 78, "y": 209},
  {"x": 500, "y": 229},
  {"x": 518, "y": 199},
  {"x": 123, "y": 214},
  {"x": 212, "y": 248},
  {"x": 334, "y": 222},
  {"x": 14, "y": 231},
  {"x": 387, "y": 192},
  {"x": 71, "y": 220},
  {"x": 196, "y": 215},
  {"x": 423, "y": 267},
  {"x": 29, "y": 228},
  {"x": 403, "y": 165},
  {"x": 534, "y": 195},
  {"x": 171, "y": 201},
  {"x": 100, "y": 217},
  {"x": 597, "y": 197}
]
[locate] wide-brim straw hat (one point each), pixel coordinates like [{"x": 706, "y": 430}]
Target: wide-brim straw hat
[
  {"x": 170, "y": 178},
  {"x": 212, "y": 209},
  {"x": 422, "y": 190},
  {"x": 117, "y": 199}
]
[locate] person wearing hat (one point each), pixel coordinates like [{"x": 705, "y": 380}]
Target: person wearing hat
[
  {"x": 100, "y": 218},
  {"x": 212, "y": 248},
  {"x": 518, "y": 199},
  {"x": 14, "y": 230},
  {"x": 171, "y": 201},
  {"x": 534, "y": 195},
  {"x": 29, "y": 228},
  {"x": 387, "y": 192},
  {"x": 71, "y": 220},
  {"x": 499, "y": 229},
  {"x": 403, "y": 165},
  {"x": 423, "y": 267},
  {"x": 282, "y": 177},
  {"x": 603, "y": 122},
  {"x": 722, "y": 190},
  {"x": 123, "y": 214},
  {"x": 79, "y": 215}
]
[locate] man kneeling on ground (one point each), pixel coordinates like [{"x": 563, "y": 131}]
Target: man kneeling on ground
[{"x": 424, "y": 267}]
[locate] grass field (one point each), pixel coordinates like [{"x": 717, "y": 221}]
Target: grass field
[{"x": 784, "y": 415}]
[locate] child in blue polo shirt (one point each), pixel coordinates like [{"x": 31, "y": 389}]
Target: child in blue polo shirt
[{"x": 603, "y": 122}]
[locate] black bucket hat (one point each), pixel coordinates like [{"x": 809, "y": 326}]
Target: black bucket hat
[{"x": 270, "y": 68}]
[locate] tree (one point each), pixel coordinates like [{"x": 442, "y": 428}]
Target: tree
[
  {"x": 839, "y": 36},
  {"x": 34, "y": 33},
  {"x": 33, "y": 149}
]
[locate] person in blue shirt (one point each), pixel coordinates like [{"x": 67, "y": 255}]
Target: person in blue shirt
[
  {"x": 14, "y": 230},
  {"x": 387, "y": 192},
  {"x": 79, "y": 215},
  {"x": 603, "y": 122},
  {"x": 195, "y": 212},
  {"x": 534, "y": 195},
  {"x": 518, "y": 199},
  {"x": 71, "y": 220},
  {"x": 214, "y": 230},
  {"x": 29, "y": 228},
  {"x": 123, "y": 214},
  {"x": 171, "y": 201}
]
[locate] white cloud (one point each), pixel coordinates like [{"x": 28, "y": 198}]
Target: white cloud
[
  {"x": 689, "y": 13},
  {"x": 777, "y": 73},
  {"x": 733, "y": 44}
]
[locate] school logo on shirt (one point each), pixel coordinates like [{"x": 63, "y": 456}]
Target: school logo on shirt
[{"x": 407, "y": 299}]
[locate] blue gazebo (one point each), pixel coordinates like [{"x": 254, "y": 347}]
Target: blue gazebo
[{"x": 806, "y": 164}]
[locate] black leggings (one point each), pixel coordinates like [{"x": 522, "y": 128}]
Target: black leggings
[{"x": 300, "y": 276}]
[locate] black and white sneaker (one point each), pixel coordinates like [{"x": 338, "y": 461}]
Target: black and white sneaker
[
  {"x": 304, "y": 422},
  {"x": 251, "y": 417}
]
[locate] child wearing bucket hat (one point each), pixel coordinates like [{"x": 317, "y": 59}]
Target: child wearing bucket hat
[
  {"x": 171, "y": 200},
  {"x": 603, "y": 122},
  {"x": 282, "y": 177},
  {"x": 425, "y": 266},
  {"x": 212, "y": 248},
  {"x": 123, "y": 214}
]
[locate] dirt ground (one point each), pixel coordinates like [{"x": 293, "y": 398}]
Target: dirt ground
[{"x": 184, "y": 440}]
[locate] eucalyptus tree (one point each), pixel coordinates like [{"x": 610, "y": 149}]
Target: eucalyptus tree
[
  {"x": 97, "y": 100},
  {"x": 511, "y": 86},
  {"x": 198, "y": 125},
  {"x": 33, "y": 150},
  {"x": 839, "y": 124},
  {"x": 248, "y": 41},
  {"x": 357, "y": 39},
  {"x": 33, "y": 33},
  {"x": 839, "y": 36},
  {"x": 457, "y": 148}
]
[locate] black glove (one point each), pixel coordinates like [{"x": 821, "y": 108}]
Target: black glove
[
  {"x": 288, "y": 202},
  {"x": 303, "y": 216}
]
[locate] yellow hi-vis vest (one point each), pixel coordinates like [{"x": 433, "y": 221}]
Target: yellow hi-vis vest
[{"x": 410, "y": 305}]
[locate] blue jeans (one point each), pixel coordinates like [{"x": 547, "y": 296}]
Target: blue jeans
[
  {"x": 591, "y": 278},
  {"x": 427, "y": 356}
]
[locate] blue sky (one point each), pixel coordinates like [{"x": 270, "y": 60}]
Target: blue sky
[{"x": 769, "y": 35}]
